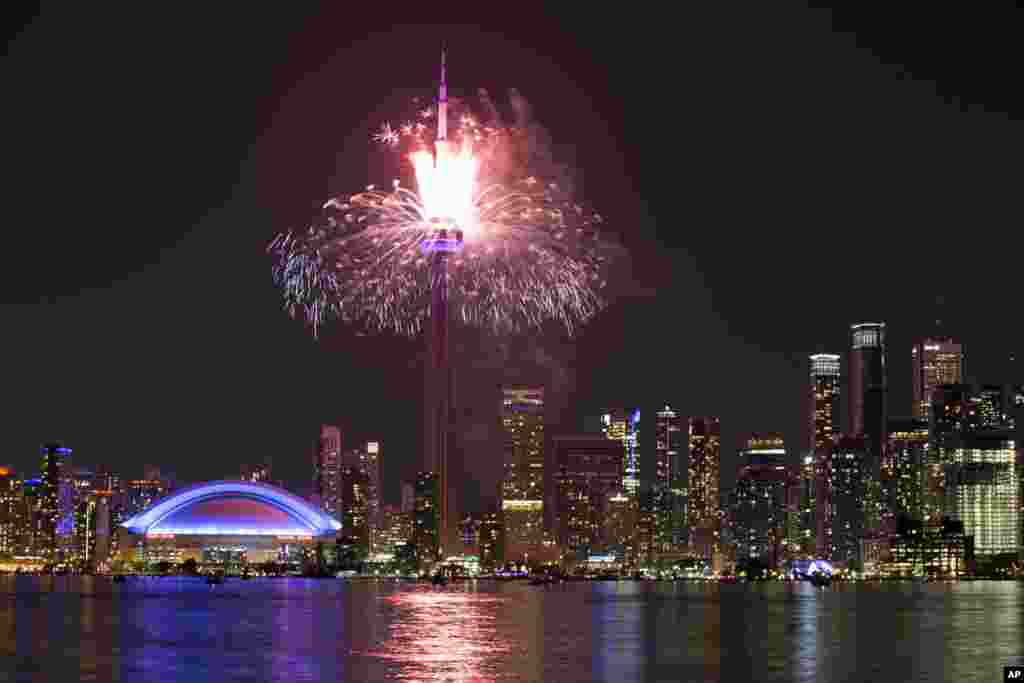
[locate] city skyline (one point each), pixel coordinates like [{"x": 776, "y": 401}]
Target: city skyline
[{"x": 239, "y": 380}]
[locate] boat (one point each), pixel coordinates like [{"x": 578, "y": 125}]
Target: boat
[{"x": 819, "y": 579}]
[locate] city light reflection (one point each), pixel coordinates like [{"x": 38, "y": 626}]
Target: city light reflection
[{"x": 447, "y": 634}]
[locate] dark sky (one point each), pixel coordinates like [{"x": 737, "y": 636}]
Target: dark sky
[{"x": 774, "y": 175}]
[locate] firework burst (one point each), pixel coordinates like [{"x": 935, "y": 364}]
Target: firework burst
[{"x": 531, "y": 254}]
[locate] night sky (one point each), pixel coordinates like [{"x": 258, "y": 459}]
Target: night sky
[{"x": 775, "y": 176}]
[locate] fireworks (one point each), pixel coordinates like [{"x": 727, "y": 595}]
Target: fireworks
[{"x": 530, "y": 253}]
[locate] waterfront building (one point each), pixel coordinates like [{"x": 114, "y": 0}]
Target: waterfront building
[
  {"x": 10, "y": 497},
  {"x": 226, "y": 523},
  {"x": 354, "y": 507},
  {"x": 492, "y": 541},
  {"x": 589, "y": 474},
  {"x": 426, "y": 519},
  {"x": 366, "y": 460},
  {"x": 56, "y": 502},
  {"x": 764, "y": 501},
  {"x": 845, "y": 481},
  {"x": 904, "y": 474},
  {"x": 704, "y": 445},
  {"x": 522, "y": 487},
  {"x": 669, "y": 495}
]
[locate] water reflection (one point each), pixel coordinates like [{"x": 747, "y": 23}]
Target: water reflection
[
  {"x": 71, "y": 628},
  {"x": 443, "y": 634}
]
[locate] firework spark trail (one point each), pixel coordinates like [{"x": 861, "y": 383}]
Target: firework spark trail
[{"x": 531, "y": 254}]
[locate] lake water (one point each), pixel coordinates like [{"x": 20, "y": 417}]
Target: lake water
[{"x": 180, "y": 629}]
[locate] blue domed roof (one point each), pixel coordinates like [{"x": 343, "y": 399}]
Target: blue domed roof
[{"x": 233, "y": 508}]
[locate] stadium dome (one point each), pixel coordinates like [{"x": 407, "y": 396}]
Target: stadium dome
[{"x": 221, "y": 519}]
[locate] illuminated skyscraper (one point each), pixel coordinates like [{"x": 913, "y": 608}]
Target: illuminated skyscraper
[
  {"x": 589, "y": 474},
  {"x": 354, "y": 508},
  {"x": 327, "y": 471},
  {"x": 976, "y": 448},
  {"x": 842, "y": 501},
  {"x": 867, "y": 397},
  {"x": 10, "y": 494},
  {"x": 764, "y": 500},
  {"x": 56, "y": 500},
  {"x": 934, "y": 362},
  {"x": 904, "y": 473},
  {"x": 426, "y": 519},
  {"x": 824, "y": 387},
  {"x": 624, "y": 426},
  {"x": 522, "y": 489},
  {"x": 366, "y": 459},
  {"x": 669, "y": 495},
  {"x": 704, "y": 482}
]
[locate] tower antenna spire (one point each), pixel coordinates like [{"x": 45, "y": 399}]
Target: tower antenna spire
[{"x": 442, "y": 100}]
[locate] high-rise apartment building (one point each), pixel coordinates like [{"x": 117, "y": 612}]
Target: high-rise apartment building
[
  {"x": 934, "y": 362},
  {"x": 868, "y": 386},
  {"x": 522, "y": 489},
  {"x": 327, "y": 471},
  {"x": 825, "y": 383},
  {"x": 842, "y": 501},
  {"x": 704, "y": 477},
  {"x": 354, "y": 506},
  {"x": 764, "y": 501},
  {"x": 367, "y": 460}
]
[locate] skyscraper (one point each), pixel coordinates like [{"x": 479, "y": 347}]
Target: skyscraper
[
  {"x": 624, "y": 426},
  {"x": 522, "y": 490},
  {"x": 975, "y": 443},
  {"x": 327, "y": 471},
  {"x": 841, "y": 501},
  {"x": 903, "y": 474},
  {"x": 764, "y": 500},
  {"x": 934, "y": 362},
  {"x": 353, "y": 506},
  {"x": 10, "y": 495},
  {"x": 867, "y": 397},
  {"x": 426, "y": 519},
  {"x": 704, "y": 481},
  {"x": 669, "y": 495},
  {"x": 825, "y": 381},
  {"x": 56, "y": 514},
  {"x": 589, "y": 474},
  {"x": 366, "y": 459}
]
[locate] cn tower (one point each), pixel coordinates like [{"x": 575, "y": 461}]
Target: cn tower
[{"x": 445, "y": 239}]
